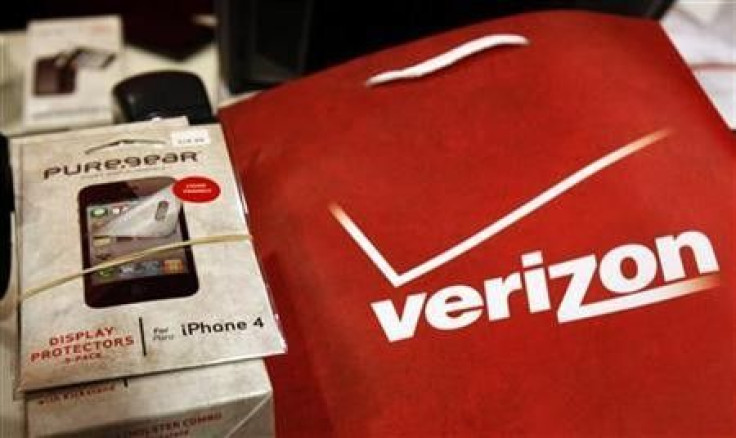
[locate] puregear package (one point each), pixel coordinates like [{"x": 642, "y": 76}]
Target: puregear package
[
  {"x": 71, "y": 67},
  {"x": 135, "y": 257},
  {"x": 232, "y": 400}
]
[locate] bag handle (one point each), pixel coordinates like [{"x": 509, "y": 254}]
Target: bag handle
[{"x": 447, "y": 58}]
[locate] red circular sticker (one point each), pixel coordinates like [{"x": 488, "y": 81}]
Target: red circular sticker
[{"x": 196, "y": 189}]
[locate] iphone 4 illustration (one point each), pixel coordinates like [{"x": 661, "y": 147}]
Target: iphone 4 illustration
[{"x": 126, "y": 217}]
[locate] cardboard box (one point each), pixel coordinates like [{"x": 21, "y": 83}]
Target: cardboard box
[
  {"x": 92, "y": 198},
  {"x": 72, "y": 65},
  {"x": 232, "y": 399}
]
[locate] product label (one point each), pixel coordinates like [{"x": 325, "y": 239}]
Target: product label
[
  {"x": 190, "y": 137},
  {"x": 197, "y": 189},
  {"x": 83, "y": 345},
  {"x": 623, "y": 278}
]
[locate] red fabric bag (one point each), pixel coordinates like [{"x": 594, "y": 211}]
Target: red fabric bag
[{"x": 537, "y": 240}]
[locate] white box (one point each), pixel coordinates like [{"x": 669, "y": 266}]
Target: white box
[
  {"x": 72, "y": 66},
  {"x": 233, "y": 400}
]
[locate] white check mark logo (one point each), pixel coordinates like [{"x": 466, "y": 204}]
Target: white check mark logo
[{"x": 397, "y": 279}]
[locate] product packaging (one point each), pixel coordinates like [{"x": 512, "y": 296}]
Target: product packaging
[
  {"x": 152, "y": 218},
  {"x": 72, "y": 65},
  {"x": 232, "y": 400}
]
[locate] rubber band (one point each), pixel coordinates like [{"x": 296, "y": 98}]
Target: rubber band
[{"x": 132, "y": 257}]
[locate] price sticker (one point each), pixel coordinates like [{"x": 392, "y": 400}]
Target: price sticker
[{"x": 190, "y": 137}]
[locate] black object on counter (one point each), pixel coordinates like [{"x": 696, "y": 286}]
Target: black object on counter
[
  {"x": 262, "y": 43},
  {"x": 162, "y": 94}
]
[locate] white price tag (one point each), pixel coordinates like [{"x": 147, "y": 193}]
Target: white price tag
[{"x": 190, "y": 137}]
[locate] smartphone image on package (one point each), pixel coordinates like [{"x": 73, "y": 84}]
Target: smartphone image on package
[
  {"x": 54, "y": 75},
  {"x": 125, "y": 217},
  {"x": 57, "y": 74}
]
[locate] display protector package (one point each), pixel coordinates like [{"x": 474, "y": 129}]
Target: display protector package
[
  {"x": 135, "y": 257},
  {"x": 233, "y": 400},
  {"x": 71, "y": 67}
]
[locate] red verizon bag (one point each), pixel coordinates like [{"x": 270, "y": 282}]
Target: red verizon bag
[{"x": 535, "y": 240}]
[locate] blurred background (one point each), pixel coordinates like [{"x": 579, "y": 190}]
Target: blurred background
[{"x": 239, "y": 46}]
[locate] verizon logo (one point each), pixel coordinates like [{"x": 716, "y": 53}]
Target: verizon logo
[{"x": 458, "y": 306}]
